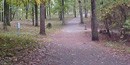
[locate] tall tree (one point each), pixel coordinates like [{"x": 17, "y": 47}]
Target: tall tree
[
  {"x": 26, "y": 8},
  {"x": 63, "y": 21},
  {"x": 10, "y": 11},
  {"x": 94, "y": 25},
  {"x": 32, "y": 15},
  {"x": 85, "y": 9},
  {"x": 45, "y": 12},
  {"x": 49, "y": 9},
  {"x": 42, "y": 18},
  {"x": 6, "y": 15},
  {"x": 80, "y": 11},
  {"x": 74, "y": 8},
  {"x": 36, "y": 14}
]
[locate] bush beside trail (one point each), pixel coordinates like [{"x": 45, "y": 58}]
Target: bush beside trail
[
  {"x": 13, "y": 45},
  {"x": 115, "y": 18}
]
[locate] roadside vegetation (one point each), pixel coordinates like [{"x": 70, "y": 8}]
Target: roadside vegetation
[{"x": 110, "y": 23}]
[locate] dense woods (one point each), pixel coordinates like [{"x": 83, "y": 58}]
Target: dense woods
[
  {"x": 24, "y": 22},
  {"x": 27, "y": 9},
  {"x": 115, "y": 16}
]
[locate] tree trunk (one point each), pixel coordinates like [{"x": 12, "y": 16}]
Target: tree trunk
[
  {"x": 74, "y": 8},
  {"x": 36, "y": 14},
  {"x": 26, "y": 7},
  {"x": 60, "y": 15},
  {"x": 42, "y": 19},
  {"x": 32, "y": 15},
  {"x": 81, "y": 13},
  {"x": 107, "y": 27},
  {"x": 6, "y": 15},
  {"x": 63, "y": 21},
  {"x": 49, "y": 10},
  {"x": 26, "y": 12},
  {"x": 2, "y": 16},
  {"x": 11, "y": 13},
  {"x": 85, "y": 9},
  {"x": 45, "y": 12},
  {"x": 94, "y": 25}
]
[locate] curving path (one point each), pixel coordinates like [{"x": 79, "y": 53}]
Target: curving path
[{"x": 73, "y": 46}]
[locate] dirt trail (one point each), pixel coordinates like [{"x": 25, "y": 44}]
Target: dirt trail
[{"x": 73, "y": 46}]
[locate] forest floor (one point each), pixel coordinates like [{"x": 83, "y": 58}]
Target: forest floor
[{"x": 72, "y": 45}]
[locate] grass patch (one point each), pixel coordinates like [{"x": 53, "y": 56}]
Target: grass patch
[
  {"x": 13, "y": 46},
  {"x": 10, "y": 44},
  {"x": 120, "y": 46},
  {"x": 114, "y": 45}
]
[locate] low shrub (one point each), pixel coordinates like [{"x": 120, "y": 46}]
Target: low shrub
[
  {"x": 127, "y": 24},
  {"x": 11, "y": 44}
]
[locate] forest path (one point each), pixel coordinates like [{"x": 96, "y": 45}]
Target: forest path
[{"x": 73, "y": 46}]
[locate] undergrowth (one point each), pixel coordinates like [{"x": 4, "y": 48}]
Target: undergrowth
[
  {"x": 10, "y": 44},
  {"x": 121, "y": 46}
]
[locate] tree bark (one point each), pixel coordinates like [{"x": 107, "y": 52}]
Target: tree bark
[
  {"x": 94, "y": 25},
  {"x": 42, "y": 19},
  {"x": 6, "y": 15},
  {"x": 74, "y": 8},
  {"x": 27, "y": 7},
  {"x": 10, "y": 11},
  {"x": 63, "y": 21},
  {"x": 26, "y": 12},
  {"x": 80, "y": 11},
  {"x": 85, "y": 9},
  {"x": 36, "y": 14},
  {"x": 49, "y": 10},
  {"x": 32, "y": 15},
  {"x": 2, "y": 16},
  {"x": 45, "y": 12},
  {"x": 10, "y": 14},
  {"x": 60, "y": 15}
]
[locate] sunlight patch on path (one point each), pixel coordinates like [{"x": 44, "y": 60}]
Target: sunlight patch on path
[{"x": 74, "y": 26}]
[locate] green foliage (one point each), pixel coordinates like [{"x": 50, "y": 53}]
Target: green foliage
[
  {"x": 113, "y": 13},
  {"x": 106, "y": 6},
  {"x": 127, "y": 24},
  {"x": 10, "y": 45},
  {"x": 57, "y": 5}
]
